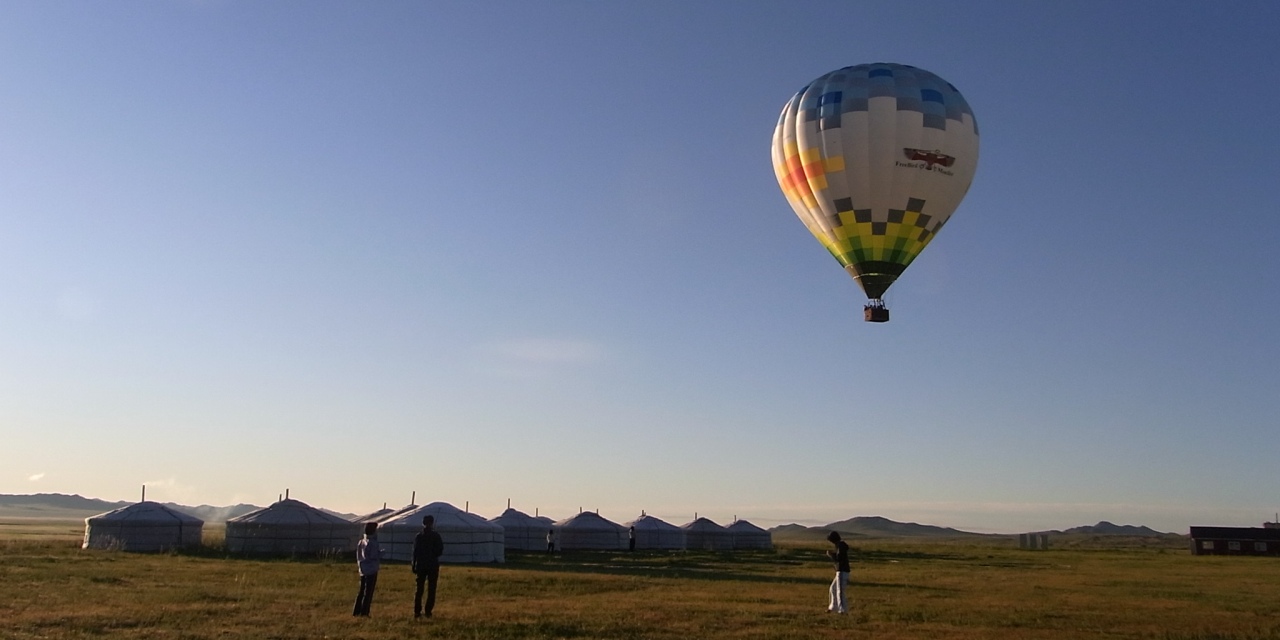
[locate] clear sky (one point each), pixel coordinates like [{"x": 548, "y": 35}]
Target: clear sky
[{"x": 535, "y": 251}]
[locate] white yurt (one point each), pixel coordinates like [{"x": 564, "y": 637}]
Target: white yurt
[
  {"x": 749, "y": 536},
  {"x": 145, "y": 526},
  {"x": 522, "y": 531},
  {"x": 374, "y": 516},
  {"x": 588, "y": 530},
  {"x": 385, "y": 513},
  {"x": 705, "y": 534},
  {"x": 291, "y": 527},
  {"x": 467, "y": 537},
  {"x": 655, "y": 533}
]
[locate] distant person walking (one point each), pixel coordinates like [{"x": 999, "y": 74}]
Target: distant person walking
[
  {"x": 551, "y": 540},
  {"x": 631, "y": 539},
  {"x": 368, "y": 559},
  {"x": 427, "y": 549},
  {"x": 840, "y": 555}
]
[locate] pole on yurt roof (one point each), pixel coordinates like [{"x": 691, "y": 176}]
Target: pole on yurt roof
[
  {"x": 144, "y": 493},
  {"x": 286, "y": 493},
  {"x": 467, "y": 506},
  {"x": 508, "y": 503},
  {"x": 413, "y": 498}
]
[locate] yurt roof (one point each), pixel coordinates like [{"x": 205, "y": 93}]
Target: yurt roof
[
  {"x": 517, "y": 518},
  {"x": 742, "y": 526},
  {"x": 589, "y": 521},
  {"x": 289, "y": 511},
  {"x": 702, "y": 524},
  {"x": 446, "y": 515},
  {"x": 145, "y": 512},
  {"x": 380, "y": 513},
  {"x": 395, "y": 512},
  {"x": 648, "y": 522}
]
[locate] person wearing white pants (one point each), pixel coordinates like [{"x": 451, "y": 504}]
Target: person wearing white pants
[{"x": 839, "y": 603}]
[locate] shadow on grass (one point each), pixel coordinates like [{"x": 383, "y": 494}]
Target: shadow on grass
[
  {"x": 763, "y": 566},
  {"x": 750, "y": 566}
]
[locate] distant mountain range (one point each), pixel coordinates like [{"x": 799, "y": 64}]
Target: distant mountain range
[
  {"x": 868, "y": 527},
  {"x": 57, "y": 506},
  {"x": 878, "y": 527},
  {"x": 1107, "y": 529}
]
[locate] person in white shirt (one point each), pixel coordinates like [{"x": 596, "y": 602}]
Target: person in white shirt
[{"x": 368, "y": 559}]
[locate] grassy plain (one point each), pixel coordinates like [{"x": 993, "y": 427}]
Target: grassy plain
[{"x": 49, "y": 588}]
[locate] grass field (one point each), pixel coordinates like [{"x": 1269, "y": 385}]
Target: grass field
[{"x": 49, "y": 588}]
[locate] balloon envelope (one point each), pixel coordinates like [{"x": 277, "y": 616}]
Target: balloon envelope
[{"x": 874, "y": 158}]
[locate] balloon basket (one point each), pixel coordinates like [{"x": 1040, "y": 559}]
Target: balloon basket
[{"x": 875, "y": 312}]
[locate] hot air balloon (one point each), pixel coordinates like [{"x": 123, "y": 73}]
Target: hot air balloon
[{"x": 874, "y": 158}]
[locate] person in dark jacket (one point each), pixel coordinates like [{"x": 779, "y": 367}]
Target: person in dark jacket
[
  {"x": 368, "y": 557},
  {"x": 427, "y": 549},
  {"x": 840, "y": 556}
]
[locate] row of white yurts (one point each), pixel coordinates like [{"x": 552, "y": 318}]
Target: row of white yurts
[
  {"x": 292, "y": 527},
  {"x": 587, "y": 530},
  {"x": 590, "y": 530}
]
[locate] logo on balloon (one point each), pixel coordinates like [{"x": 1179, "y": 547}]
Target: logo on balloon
[
  {"x": 930, "y": 158},
  {"x": 926, "y": 160}
]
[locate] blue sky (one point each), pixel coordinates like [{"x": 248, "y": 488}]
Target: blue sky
[{"x": 535, "y": 251}]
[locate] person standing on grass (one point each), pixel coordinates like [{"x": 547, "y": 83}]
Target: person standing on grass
[
  {"x": 427, "y": 549},
  {"x": 551, "y": 540},
  {"x": 368, "y": 559},
  {"x": 840, "y": 555},
  {"x": 631, "y": 539}
]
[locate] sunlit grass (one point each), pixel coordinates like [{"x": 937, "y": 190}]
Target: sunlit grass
[{"x": 52, "y": 589}]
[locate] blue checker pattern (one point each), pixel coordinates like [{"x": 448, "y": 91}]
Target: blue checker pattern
[{"x": 847, "y": 90}]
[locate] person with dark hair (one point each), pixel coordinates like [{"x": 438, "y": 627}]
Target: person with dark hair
[
  {"x": 631, "y": 539},
  {"x": 551, "y": 540},
  {"x": 427, "y": 549},
  {"x": 840, "y": 555},
  {"x": 368, "y": 557}
]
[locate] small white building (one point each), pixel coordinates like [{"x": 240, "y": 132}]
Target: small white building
[
  {"x": 749, "y": 536},
  {"x": 707, "y": 535},
  {"x": 291, "y": 527},
  {"x": 655, "y": 533},
  {"x": 145, "y": 527},
  {"x": 467, "y": 537},
  {"x": 588, "y": 530},
  {"x": 523, "y": 532}
]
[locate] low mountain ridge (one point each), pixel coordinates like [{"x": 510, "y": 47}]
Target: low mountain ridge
[
  {"x": 1107, "y": 529},
  {"x": 880, "y": 527},
  {"x": 56, "y": 506},
  {"x": 877, "y": 526},
  {"x": 75, "y": 502},
  {"x": 868, "y": 527}
]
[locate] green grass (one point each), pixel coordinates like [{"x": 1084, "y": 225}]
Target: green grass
[{"x": 49, "y": 588}]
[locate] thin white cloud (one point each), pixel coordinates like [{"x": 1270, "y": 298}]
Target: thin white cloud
[
  {"x": 168, "y": 490},
  {"x": 77, "y": 305},
  {"x": 547, "y": 350},
  {"x": 35, "y": 477},
  {"x": 537, "y": 357}
]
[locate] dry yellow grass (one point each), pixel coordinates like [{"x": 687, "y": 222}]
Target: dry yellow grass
[{"x": 52, "y": 589}]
